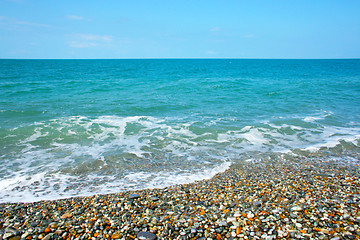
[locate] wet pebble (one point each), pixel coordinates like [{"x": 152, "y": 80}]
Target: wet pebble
[
  {"x": 261, "y": 200},
  {"x": 134, "y": 196},
  {"x": 146, "y": 236}
]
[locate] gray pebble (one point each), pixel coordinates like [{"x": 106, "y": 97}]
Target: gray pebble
[
  {"x": 134, "y": 196},
  {"x": 146, "y": 236}
]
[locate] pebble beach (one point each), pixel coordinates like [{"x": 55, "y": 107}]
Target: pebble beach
[{"x": 273, "y": 198}]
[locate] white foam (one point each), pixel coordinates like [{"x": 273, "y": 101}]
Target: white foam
[
  {"x": 145, "y": 140},
  {"x": 254, "y": 136},
  {"x": 318, "y": 116},
  {"x": 132, "y": 181}
]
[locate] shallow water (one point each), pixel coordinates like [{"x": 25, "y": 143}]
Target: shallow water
[{"x": 83, "y": 127}]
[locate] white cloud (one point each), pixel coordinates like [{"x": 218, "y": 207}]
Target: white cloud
[
  {"x": 16, "y": 1},
  {"x": 92, "y": 37},
  {"x": 249, "y": 36},
  {"x": 215, "y": 29},
  {"x": 33, "y": 24},
  {"x": 17, "y": 24},
  {"x": 74, "y": 17},
  {"x": 78, "y": 44},
  {"x": 90, "y": 40}
]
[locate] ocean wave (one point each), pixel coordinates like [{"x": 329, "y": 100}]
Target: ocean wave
[{"x": 79, "y": 155}]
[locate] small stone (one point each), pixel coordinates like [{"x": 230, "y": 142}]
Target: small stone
[
  {"x": 231, "y": 219},
  {"x": 146, "y": 236},
  {"x": 53, "y": 225},
  {"x": 15, "y": 238},
  {"x": 170, "y": 227},
  {"x": 11, "y": 230},
  {"x": 154, "y": 198},
  {"x": 237, "y": 214},
  {"x": 66, "y": 215},
  {"x": 7, "y": 235},
  {"x": 223, "y": 224},
  {"x": 25, "y": 234},
  {"x": 296, "y": 209},
  {"x": 134, "y": 196},
  {"x": 48, "y": 237},
  {"x": 33, "y": 224},
  {"x": 275, "y": 211},
  {"x": 236, "y": 224},
  {"x": 116, "y": 236},
  {"x": 250, "y": 215}
]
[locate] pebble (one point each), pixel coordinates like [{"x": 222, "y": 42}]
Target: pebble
[
  {"x": 231, "y": 219},
  {"x": 146, "y": 236},
  {"x": 250, "y": 215},
  {"x": 7, "y": 235},
  {"x": 223, "y": 224},
  {"x": 134, "y": 196},
  {"x": 66, "y": 215},
  {"x": 296, "y": 209},
  {"x": 299, "y": 198},
  {"x": 15, "y": 238}
]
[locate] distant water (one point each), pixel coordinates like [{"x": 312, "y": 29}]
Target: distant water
[{"x": 83, "y": 127}]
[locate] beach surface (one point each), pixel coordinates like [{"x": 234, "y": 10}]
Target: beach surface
[{"x": 273, "y": 198}]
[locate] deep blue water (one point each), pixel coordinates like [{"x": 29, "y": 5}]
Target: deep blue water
[{"x": 80, "y": 127}]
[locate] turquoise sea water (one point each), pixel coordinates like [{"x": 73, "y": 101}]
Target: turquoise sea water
[{"x": 82, "y": 127}]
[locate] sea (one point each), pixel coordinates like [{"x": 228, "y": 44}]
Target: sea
[{"x": 84, "y": 127}]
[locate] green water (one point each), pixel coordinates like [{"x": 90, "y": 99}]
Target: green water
[{"x": 80, "y": 127}]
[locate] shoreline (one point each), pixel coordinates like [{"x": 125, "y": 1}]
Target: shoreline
[{"x": 270, "y": 199}]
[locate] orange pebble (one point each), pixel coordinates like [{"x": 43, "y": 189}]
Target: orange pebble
[{"x": 47, "y": 230}]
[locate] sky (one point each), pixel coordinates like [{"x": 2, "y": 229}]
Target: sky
[{"x": 62, "y": 29}]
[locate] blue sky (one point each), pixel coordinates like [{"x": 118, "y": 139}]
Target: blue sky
[{"x": 180, "y": 29}]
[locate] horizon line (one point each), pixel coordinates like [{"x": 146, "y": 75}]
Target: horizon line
[{"x": 355, "y": 58}]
